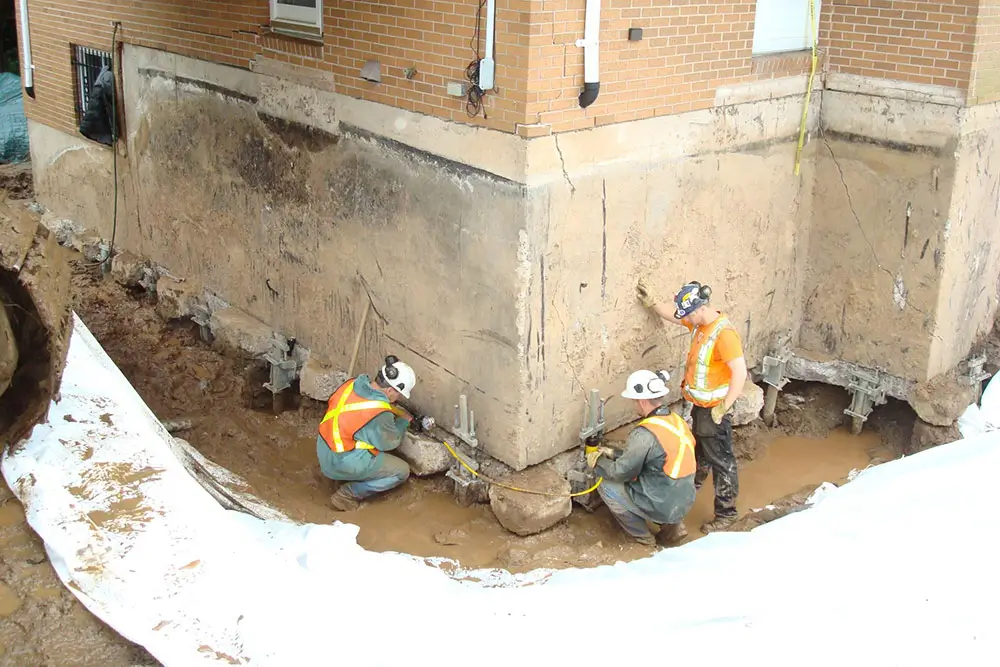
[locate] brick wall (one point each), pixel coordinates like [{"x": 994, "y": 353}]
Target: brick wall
[
  {"x": 918, "y": 41},
  {"x": 986, "y": 63},
  {"x": 433, "y": 37},
  {"x": 688, "y": 49}
]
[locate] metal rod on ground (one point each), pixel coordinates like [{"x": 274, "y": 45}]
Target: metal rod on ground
[{"x": 357, "y": 339}]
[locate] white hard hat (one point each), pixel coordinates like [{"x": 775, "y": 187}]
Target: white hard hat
[
  {"x": 399, "y": 375},
  {"x": 646, "y": 384}
]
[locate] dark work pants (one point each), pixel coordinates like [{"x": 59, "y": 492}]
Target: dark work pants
[{"x": 714, "y": 451}]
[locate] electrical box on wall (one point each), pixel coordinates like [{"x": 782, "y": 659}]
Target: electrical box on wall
[
  {"x": 634, "y": 34},
  {"x": 457, "y": 89}
]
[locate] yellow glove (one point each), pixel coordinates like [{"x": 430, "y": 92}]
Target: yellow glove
[
  {"x": 718, "y": 412},
  {"x": 645, "y": 295},
  {"x": 592, "y": 456}
]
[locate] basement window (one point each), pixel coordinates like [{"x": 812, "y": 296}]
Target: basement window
[
  {"x": 781, "y": 26},
  {"x": 88, "y": 64},
  {"x": 298, "y": 18}
]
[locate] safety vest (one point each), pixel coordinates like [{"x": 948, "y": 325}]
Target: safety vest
[
  {"x": 705, "y": 383},
  {"x": 346, "y": 414},
  {"x": 677, "y": 442}
]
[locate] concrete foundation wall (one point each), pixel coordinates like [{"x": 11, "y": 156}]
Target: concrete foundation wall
[
  {"x": 967, "y": 300},
  {"x": 505, "y": 268}
]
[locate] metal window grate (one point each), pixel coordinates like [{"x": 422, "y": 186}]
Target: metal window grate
[{"x": 88, "y": 63}]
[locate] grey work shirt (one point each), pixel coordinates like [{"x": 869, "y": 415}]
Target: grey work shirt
[{"x": 640, "y": 467}]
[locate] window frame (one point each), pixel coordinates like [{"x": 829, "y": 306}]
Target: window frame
[
  {"x": 81, "y": 82},
  {"x": 306, "y": 18},
  {"x": 784, "y": 38}
]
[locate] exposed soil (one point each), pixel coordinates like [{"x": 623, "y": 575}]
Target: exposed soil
[{"x": 16, "y": 181}]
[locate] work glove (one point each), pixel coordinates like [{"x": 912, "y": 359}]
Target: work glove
[
  {"x": 596, "y": 454},
  {"x": 645, "y": 295},
  {"x": 718, "y": 412}
]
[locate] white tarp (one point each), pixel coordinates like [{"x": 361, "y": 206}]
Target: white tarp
[{"x": 898, "y": 567}]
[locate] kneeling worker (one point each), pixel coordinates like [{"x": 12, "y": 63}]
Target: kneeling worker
[
  {"x": 653, "y": 479},
  {"x": 360, "y": 425}
]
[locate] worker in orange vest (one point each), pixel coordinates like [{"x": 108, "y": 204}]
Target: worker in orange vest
[
  {"x": 714, "y": 375},
  {"x": 361, "y": 424},
  {"x": 653, "y": 479}
]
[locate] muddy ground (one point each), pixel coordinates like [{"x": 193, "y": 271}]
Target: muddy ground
[{"x": 180, "y": 377}]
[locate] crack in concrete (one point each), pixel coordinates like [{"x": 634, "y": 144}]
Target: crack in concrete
[
  {"x": 861, "y": 228},
  {"x": 562, "y": 160}
]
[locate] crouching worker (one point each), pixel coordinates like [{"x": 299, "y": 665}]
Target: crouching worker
[
  {"x": 653, "y": 479},
  {"x": 362, "y": 424}
]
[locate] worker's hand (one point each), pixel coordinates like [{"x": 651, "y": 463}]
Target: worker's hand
[
  {"x": 645, "y": 295},
  {"x": 593, "y": 456},
  {"x": 718, "y": 412}
]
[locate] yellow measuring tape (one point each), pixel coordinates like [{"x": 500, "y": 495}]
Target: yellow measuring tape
[
  {"x": 812, "y": 74},
  {"x": 514, "y": 488}
]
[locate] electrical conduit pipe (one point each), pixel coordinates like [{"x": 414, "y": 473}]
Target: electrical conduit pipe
[
  {"x": 590, "y": 42},
  {"x": 29, "y": 68}
]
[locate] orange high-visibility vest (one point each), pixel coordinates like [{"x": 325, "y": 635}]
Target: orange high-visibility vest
[
  {"x": 706, "y": 383},
  {"x": 677, "y": 442},
  {"x": 347, "y": 413}
]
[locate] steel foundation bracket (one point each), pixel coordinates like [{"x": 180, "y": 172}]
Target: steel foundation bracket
[
  {"x": 866, "y": 392},
  {"x": 975, "y": 374},
  {"x": 469, "y": 489},
  {"x": 201, "y": 317},
  {"x": 465, "y": 423},
  {"x": 773, "y": 371},
  {"x": 593, "y": 418},
  {"x": 283, "y": 371},
  {"x": 580, "y": 480}
]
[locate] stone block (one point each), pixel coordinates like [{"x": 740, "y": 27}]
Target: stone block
[
  {"x": 128, "y": 269},
  {"x": 234, "y": 329},
  {"x": 748, "y": 405},
  {"x": 529, "y": 513},
  {"x": 174, "y": 299},
  {"x": 943, "y": 399},
  {"x": 927, "y": 435},
  {"x": 425, "y": 455},
  {"x": 318, "y": 380}
]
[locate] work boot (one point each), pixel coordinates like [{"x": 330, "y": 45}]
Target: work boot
[
  {"x": 343, "y": 501},
  {"x": 718, "y": 523},
  {"x": 671, "y": 534},
  {"x": 645, "y": 540}
]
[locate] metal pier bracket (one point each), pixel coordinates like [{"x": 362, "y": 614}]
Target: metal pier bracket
[
  {"x": 866, "y": 392},
  {"x": 201, "y": 317},
  {"x": 773, "y": 370},
  {"x": 593, "y": 418},
  {"x": 465, "y": 423},
  {"x": 469, "y": 489},
  {"x": 582, "y": 478}
]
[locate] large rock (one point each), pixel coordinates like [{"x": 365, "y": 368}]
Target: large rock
[
  {"x": 425, "y": 455},
  {"x": 748, "y": 405},
  {"x": 927, "y": 435},
  {"x": 942, "y": 399},
  {"x": 529, "y": 513},
  {"x": 318, "y": 380},
  {"x": 128, "y": 269},
  {"x": 174, "y": 299},
  {"x": 237, "y": 330}
]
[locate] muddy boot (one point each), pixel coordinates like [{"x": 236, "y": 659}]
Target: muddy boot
[
  {"x": 645, "y": 540},
  {"x": 671, "y": 534},
  {"x": 343, "y": 501},
  {"x": 718, "y": 523}
]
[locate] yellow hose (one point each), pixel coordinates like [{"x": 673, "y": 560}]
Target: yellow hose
[
  {"x": 514, "y": 488},
  {"x": 809, "y": 90}
]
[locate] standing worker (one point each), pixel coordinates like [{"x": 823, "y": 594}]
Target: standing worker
[
  {"x": 362, "y": 422},
  {"x": 653, "y": 479},
  {"x": 714, "y": 375}
]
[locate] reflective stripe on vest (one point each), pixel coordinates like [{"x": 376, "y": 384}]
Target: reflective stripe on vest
[
  {"x": 700, "y": 389},
  {"x": 677, "y": 442},
  {"x": 347, "y": 413}
]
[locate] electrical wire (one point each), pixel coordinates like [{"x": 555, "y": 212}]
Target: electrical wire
[
  {"x": 475, "y": 98},
  {"x": 600, "y": 480},
  {"x": 114, "y": 136}
]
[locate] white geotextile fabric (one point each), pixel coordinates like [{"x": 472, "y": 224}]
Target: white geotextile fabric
[{"x": 898, "y": 567}]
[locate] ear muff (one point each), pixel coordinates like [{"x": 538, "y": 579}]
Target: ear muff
[
  {"x": 391, "y": 372},
  {"x": 704, "y": 291}
]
